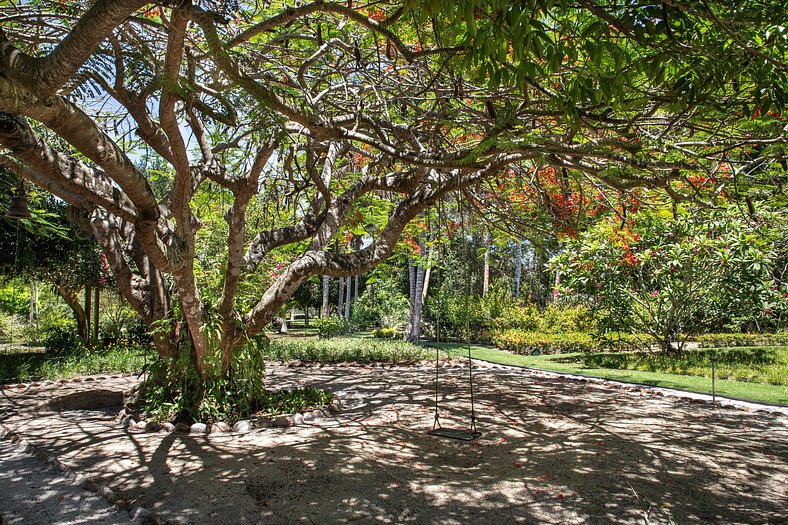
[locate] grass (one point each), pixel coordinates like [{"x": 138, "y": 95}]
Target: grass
[
  {"x": 25, "y": 366},
  {"x": 573, "y": 364}
]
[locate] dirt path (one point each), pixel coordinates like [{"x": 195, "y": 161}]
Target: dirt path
[
  {"x": 553, "y": 450},
  {"x": 34, "y": 493}
]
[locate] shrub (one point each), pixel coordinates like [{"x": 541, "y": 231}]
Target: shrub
[
  {"x": 534, "y": 343},
  {"x": 345, "y": 349},
  {"x": 725, "y": 340},
  {"x": 327, "y": 327},
  {"x": 63, "y": 340},
  {"x": 552, "y": 319},
  {"x": 386, "y": 332}
]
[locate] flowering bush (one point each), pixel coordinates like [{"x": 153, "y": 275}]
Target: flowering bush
[{"x": 673, "y": 276}]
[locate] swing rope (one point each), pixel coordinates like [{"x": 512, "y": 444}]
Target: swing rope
[{"x": 437, "y": 430}]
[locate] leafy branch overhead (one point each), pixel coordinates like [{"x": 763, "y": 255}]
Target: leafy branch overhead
[{"x": 294, "y": 126}]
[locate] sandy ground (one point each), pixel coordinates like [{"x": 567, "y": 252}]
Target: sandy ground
[{"x": 553, "y": 450}]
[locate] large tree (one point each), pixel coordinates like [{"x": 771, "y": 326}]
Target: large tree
[{"x": 302, "y": 115}]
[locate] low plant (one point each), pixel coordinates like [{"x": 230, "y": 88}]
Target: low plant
[
  {"x": 387, "y": 332},
  {"x": 534, "y": 343},
  {"x": 328, "y": 327},
  {"x": 755, "y": 364},
  {"x": 725, "y": 340},
  {"x": 345, "y": 349},
  {"x": 33, "y": 366}
]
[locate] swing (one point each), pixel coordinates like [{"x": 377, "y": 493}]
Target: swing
[{"x": 463, "y": 434}]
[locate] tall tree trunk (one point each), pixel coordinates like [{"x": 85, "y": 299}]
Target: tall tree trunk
[
  {"x": 411, "y": 298},
  {"x": 348, "y": 287},
  {"x": 427, "y": 275},
  {"x": 341, "y": 300},
  {"x": 72, "y": 300},
  {"x": 96, "y": 299},
  {"x": 88, "y": 309},
  {"x": 325, "y": 309},
  {"x": 414, "y": 322},
  {"x": 306, "y": 317},
  {"x": 486, "y": 276},
  {"x": 355, "y": 290},
  {"x": 518, "y": 268},
  {"x": 34, "y": 307}
]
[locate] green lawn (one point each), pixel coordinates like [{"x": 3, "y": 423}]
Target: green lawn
[{"x": 566, "y": 363}]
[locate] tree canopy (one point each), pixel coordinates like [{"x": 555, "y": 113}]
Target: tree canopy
[{"x": 306, "y": 124}]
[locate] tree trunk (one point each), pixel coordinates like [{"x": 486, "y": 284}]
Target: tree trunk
[
  {"x": 427, "y": 275},
  {"x": 96, "y": 299},
  {"x": 306, "y": 317},
  {"x": 348, "y": 287},
  {"x": 341, "y": 300},
  {"x": 72, "y": 300},
  {"x": 414, "y": 323},
  {"x": 355, "y": 290},
  {"x": 34, "y": 307},
  {"x": 486, "y": 276},
  {"x": 518, "y": 269},
  {"x": 411, "y": 298},
  {"x": 325, "y": 309},
  {"x": 88, "y": 309}
]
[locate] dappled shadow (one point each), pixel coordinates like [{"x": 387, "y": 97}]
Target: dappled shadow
[{"x": 553, "y": 451}]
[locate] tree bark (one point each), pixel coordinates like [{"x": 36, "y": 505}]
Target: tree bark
[
  {"x": 486, "y": 275},
  {"x": 325, "y": 309},
  {"x": 72, "y": 300},
  {"x": 414, "y": 323},
  {"x": 88, "y": 310},
  {"x": 96, "y": 300},
  {"x": 348, "y": 287},
  {"x": 341, "y": 299},
  {"x": 518, "y": 268}
]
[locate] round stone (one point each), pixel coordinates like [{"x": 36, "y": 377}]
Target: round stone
[
  {"x": 308, "y": 416},
  {"x": 242, "y": 426},
  {"x": 220, "y": 428},
  {"x": 298, "y": 419},
  {"x": 167, "y": 427},
  {"x": 317, "y": 414},
  {"x": 198, "y": 428},
  {"x": 152, "y": 426},
  {"x": 181, "y": 427}
]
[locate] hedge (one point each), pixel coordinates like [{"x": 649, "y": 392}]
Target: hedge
[{"x": 725, "y": 340}]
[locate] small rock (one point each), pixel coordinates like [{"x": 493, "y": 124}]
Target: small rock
[
  {"x": 308, "y": 417},
  {"x": 326, "y": 412},
  {"x": 167, "y": 427},
  {"x": 141, "y": 425},
  {"x": 298, "y": 419},
  {"x": 129, "y": 422},
  {"x": 20, "y": 386},
  {"x": 281, "y": 422},
  {"x": 88, "y": 379},
  {"x": 242, "y": 426},
  {"x": 181, "y": 427},
  {"x": 264, "y": 422},
  {"x": 198, "y": 428},
  {"x": 107, "y": 494},
  {"x": 152, "y": 426},
  {"x": 76, "y": 380},
  {"x": 220, "y": 428},
  {"x": 317, "y": 414},
  {"x": 122, "y": 504},
  {"x": 142, "y": 516}
]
